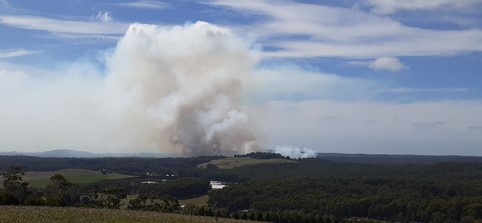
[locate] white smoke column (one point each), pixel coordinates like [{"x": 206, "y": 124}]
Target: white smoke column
[
  {"x": 295, "y": 152},
  {"x": 182, "y": 88}
]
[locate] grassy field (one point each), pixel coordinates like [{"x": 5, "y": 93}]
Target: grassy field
[
  {"x": 232, "y": 162},
  {"x": 23, "y": 214},
  {"x": 42, "y": 178},
  {"x": 200, "y": 201}
]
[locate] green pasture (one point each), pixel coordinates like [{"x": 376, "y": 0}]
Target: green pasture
[{"x": 81, "y": 176}]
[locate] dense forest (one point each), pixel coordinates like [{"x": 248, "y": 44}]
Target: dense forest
[{"x": 309, "y": 190}]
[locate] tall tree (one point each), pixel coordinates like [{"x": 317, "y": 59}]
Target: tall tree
[
  {"x": 14, "y": 185},
  {"x": 61, "y": 192},
  {"x": 110, "y": 197}
]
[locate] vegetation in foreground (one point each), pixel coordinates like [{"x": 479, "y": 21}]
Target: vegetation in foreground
[{"x": 30, "y": 214}]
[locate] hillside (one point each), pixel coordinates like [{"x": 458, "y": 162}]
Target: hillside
[
  {"x": 41, "y": 178},
  {"x": 82, "y": 176}
]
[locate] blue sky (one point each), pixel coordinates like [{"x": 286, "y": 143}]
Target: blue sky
[{"x": 369, "y": 61}]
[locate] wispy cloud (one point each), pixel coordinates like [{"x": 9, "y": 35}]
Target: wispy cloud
[
  {"x": 391, "y": 64},
  {"x": 407, "y": 90},
  {"x": 144, "y": 4},
  {"x": 428, "y": 124},
  {"x": 65, "y": 27},
  {"x": 344, "y": 32},
  {"x": 16, "y": 53},
  {"x": 475, "y": 127},
  {"x": 104, "y": 16},
  {"x": 392, "y": 6}
]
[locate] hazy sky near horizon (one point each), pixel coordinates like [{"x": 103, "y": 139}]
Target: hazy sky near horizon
[{"x": 351, "y": 76}]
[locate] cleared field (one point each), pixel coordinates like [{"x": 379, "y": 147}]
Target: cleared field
[
  {"x": 232, "y": 162},
  {"x": 200, "y": 201},
  {"x": 23, "y": 214},
  {"x": 82, "y": 176}
]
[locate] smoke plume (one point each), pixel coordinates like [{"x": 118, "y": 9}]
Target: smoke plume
[
  {"x": 295, "y": 152},
  {"x": 174, "y": 89},
  {"x": 186, "y": 84}
]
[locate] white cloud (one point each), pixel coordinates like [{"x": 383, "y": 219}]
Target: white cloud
[
  {"x": 392, "y": 64},
  {"x": 65, "y": 27},
  {"x": 144, "y": 4},
  {"x": 344, "y": 32},
  {"x": 441, "y": 127},
  {"x": 49, "y": 108},
  {"x": 104, "y": 16},
  {"x": 16, "y": 53},
  {"x": 392, "y": 6}
]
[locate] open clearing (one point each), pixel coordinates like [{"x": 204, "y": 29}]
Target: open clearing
[
  {"x": 81, "y": 176},
  {"x": 232, "y": 162},
  {"x": 199, "y": 201},
  {"x": 25, "y": 214}
]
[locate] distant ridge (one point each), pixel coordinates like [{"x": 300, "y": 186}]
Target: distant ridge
[
  {"x": 336, "y": 157},
  {"x": 68, "y": 153}
]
